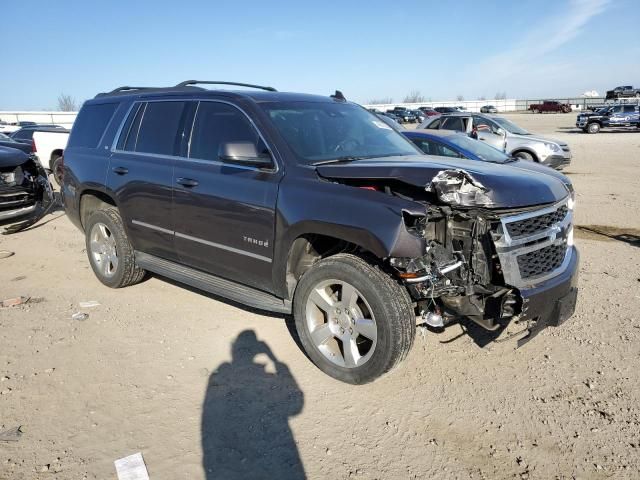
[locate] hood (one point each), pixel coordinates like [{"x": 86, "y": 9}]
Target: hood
[
  {"x": 12, "y": 157},
  {"x": 507, "y": 186},
  {"x": 537, "y": 138},
  {"x": 541, "y": 169}
]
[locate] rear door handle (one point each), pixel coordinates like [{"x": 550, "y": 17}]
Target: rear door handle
[
  {"x": 187, "y": 182},
  {"x": 120, "y": 170}
]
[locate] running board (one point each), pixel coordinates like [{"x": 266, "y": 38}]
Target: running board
[{"x": 212, "y": 284}]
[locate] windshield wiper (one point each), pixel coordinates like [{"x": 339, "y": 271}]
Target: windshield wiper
[{"x": 345, "y": 159}]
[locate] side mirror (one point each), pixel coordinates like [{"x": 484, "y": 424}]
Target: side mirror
[
  {"x": 501, "y": 132},
  {"x": 244, "y": 153}
]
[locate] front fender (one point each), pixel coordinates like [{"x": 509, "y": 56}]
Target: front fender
[{"x": 370, "y": 219}]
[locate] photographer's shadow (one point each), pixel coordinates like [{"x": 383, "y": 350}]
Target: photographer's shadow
[{"x": 245, "y": 418}]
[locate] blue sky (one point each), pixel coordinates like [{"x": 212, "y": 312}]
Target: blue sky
[{"x": 367, "y": 49}]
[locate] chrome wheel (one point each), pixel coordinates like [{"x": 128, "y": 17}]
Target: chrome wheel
[
  {"x": 103, "y": 248},
  {"x": 341, "y": 324}
]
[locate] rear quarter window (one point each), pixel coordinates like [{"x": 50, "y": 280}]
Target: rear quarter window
[{"x": 90, "y": 125}]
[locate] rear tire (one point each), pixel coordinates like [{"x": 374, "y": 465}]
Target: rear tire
[
  {"x": 593, "y": 128},
  {"x": 354, "y": 321},
  {"x": 525, "y": 156},
  {"x": 110, "y": 252}
]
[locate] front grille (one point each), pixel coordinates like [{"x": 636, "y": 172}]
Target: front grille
[
  {"x": 534, "y": 246},
  {"x": 541, "y": 261},
  {"x": 533, "y": 225}
]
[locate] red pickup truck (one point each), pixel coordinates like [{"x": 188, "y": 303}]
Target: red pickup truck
[{"x": 550, "y": 106}]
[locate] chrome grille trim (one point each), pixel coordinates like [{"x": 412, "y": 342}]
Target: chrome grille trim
[{"x": 509, "y": 248}]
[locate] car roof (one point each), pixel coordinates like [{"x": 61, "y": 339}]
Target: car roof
[{"x": 258, "y": 96}]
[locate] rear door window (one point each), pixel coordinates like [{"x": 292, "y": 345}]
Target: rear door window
[
  {"x": 90, "y": 125},
  {"x": 434, "y": 125},
  {"x": 629, "y": 108},
  {"x": 217, "y": 123},
  {"x": 160, "y": 128},
  {"x": 453, "y": 123}
]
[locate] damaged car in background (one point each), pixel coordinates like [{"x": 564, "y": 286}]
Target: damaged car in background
[
  {"x": 313, "y": 206},
  {"x": 25, "y": 191}
]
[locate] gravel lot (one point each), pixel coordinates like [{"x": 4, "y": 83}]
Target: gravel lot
[{"x": 188, "y": 380}]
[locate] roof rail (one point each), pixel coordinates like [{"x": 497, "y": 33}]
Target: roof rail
[
  {"x": 209, "y": 82},
  {"x": 124, "y": 89}
]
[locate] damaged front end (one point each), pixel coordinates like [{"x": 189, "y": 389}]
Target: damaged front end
[
  {"x": 488, "y": 264},
  {"x": 25, "y": 191}
]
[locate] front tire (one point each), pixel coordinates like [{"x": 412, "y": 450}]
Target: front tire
[
  {"x": 593, "y": 128},
  {"x": 354, "y": 321},
  {"x": 525, "y": 156},
  {"x": 110, "y": 252}
]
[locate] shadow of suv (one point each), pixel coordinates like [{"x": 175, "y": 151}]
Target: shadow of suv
[{"x": 313, "y": 206}]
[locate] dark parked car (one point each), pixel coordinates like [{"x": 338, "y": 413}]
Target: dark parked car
[
  {"x": 7, "y": 141},
  {"x": 626, "y": 115},
  {"x": 25, "y": 191},
  {"x": 25, "y": 134},
  {"x": 446, "y": 109},
  {"x": 624, "y": 91},
  {"x": 403, "y": 115},
  {"x": 488, "y": 109},
  {"x": 313, "y": 206}
]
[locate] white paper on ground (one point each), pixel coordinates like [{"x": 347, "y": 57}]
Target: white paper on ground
[
  {"x": 131, "y": 468},
  {"x": 89, "y": 304}
]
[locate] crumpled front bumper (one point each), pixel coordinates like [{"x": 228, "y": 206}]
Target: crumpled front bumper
[
  {"x": 551, "y": 303},
  {"x": 38, "y": 201}
]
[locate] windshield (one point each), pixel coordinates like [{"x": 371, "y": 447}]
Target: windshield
[
  {"x": 392, "y": 123},
  {"x": 319, "y": 131},
  {"x": 480, "y": 149},
  {"x": 510, "y": 126},
  {"x": 4, "y": 137}
]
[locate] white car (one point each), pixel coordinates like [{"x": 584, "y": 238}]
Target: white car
[{"x": 49, "y": 146}]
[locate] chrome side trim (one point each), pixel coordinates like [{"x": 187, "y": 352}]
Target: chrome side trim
[
  {"x": 152, "y": 227},
  {"x": 203, "y": 241},
  {"x": 224, "y": 247}
]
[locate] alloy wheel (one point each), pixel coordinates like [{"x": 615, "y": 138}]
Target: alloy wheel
[{"x": 341, "y": 323}]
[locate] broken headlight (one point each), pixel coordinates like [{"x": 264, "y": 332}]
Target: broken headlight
[
  {"x": 457, "y": 187},
  {"x": 11, "y": 179}
]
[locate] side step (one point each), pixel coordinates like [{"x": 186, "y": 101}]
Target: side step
[{"x": 212, "y": 284}]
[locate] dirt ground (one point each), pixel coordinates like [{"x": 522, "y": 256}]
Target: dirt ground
[{"x": 206, "y": 389}]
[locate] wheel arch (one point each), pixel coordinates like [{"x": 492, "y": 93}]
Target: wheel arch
[
  {"x": 58, "y": 152},
  {"x": 528, "y": 150},
  {"x": 92, "y": 200}
]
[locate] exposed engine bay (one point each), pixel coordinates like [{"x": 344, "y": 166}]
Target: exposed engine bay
[
  {"x": 25, "y": 191},
  {"x": 477, "y": 257}
]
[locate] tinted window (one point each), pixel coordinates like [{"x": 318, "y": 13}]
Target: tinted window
[
  {"x": 434, "y": 148},
  {"x": 91, "y": 124},
  {"x": 629, "y": 108},
  {"x": 453, "y": 123},
  {"x": 23, "y": 135},
  {"x": 129, "y": 133},
  {"x": 435, "y": 124},
  {"x": 159, "y": 128},
  {"x": 218, "y": 123}
]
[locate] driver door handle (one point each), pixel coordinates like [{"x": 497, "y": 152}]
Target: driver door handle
[
  {"x": 120, "y": 170},
  {"x": 187, "y": 182}
]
